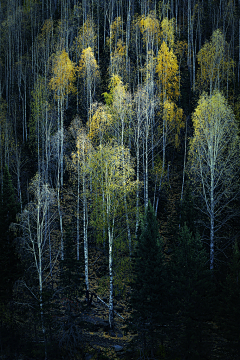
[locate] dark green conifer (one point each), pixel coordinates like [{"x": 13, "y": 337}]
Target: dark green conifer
[
  {"x": 9, "y": 260},
  {"x": 71, "y": 268},
  {"x": 149, "y": 288},
  {"x": 187, "y": 211},
  {"x": 192, "y": 288},
  {"x": 229, "y": 314}
]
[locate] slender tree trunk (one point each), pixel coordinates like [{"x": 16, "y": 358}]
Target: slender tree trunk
[
  {"x": 125, "y": 196},
  {"x": 212, "y": 224},
  {"x": 59, "y": 179},
  {"x": 40, "y": 270},
  {"x": 85, "y": 225},
  {"x": 184, "y": 161},
  {"x": 163, "y": 164},
  {"x": 78, "y": 209},
  {"x": 146, "y": 165},
  {"x": 110, "y": 240},
  {"x": 137, "y": 193}
]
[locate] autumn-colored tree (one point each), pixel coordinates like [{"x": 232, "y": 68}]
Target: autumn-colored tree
[
  {"x": 45, "y": 44},
  {"x": 40, "y": 126},
  {"x": 216, "y": 66},
  {"x": 62, "y": 83},
  {"x": 121, "y": 113},
  {"x": 86, "y": 37},
  {"x": 169, "y": 91},
  {"x": 214, "y": 161},
  {"x": 110, "y": 177},
  {"x": 81, "y": 163},
  {"x": 99, "y": 124},
  {"x": 150, "y": 29},
  {"x": 167, "y": 70},
  {"x": 119, "y": 60},
  {"x": 118, "y": 63},
  {"x": 89, "y": 73}
]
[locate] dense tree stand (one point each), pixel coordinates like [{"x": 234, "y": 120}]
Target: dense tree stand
[{"x": 149, "y": 296}]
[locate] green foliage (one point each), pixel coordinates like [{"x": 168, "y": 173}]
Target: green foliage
[
  {"x": 229, "y": 312},
  {"x": 9, "y": 260},
  {"x": 149, "y": 287},
  {"x": 39, "y": 108},
  {"x": 188, "y": 213},
  {"x": 192, "y": 290},
  {"x": 215, "y": 64},
  {"x": 71, "y": 269}
]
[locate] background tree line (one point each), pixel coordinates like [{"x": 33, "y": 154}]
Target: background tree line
[{"x": 115, "y": 116}]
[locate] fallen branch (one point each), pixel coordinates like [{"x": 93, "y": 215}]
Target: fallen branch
[{"x": 115, "y": 312}]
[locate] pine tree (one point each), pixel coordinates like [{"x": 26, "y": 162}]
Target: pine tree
[
  {"x": 149, "y": 288},
  {"x": 192, "y": 286}
]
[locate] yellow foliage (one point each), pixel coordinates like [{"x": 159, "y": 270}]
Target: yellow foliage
[
  {"x": 213, "y": 121},
  {"x": 215, "y": 64},
  {"x": 168, "y": 73},
  {"x": 86, "y": 37},
  {"x": 118, "y": 58},
  {"x": 168, "y": 79},
  {"x": 84, "y": 146},
  {"x": 150, "y": 28},
  {"x": 116, "y": 31},
  {"x": 47, "y": 27},
  {"x": 167, "y": 32},
  {"x": 149, "y": 70},
  {"x": 113, "y": 171},
  {"x": 63, "y": 78},
  {"x": 214, "y": 150},
  {"x": 173, "y": 117},
  {"x": 115, "y": 83},
  {"x": 164, "y": 8},
  {"x": 99, "y": 122},
  {"x": 46, "y": 41},
  {"x": 88, "y": 66},
  {"x": 180, "y": 49}
]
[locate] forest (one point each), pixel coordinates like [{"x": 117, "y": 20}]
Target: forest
[{"x": 119, "y": 179}]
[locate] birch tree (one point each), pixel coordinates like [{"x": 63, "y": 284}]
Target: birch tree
[
  {"x": 119, "y": 106},
  {"x": 110, "y": 178},
  {"x": 36, "y": 222},
  {"x": 81, "y": 162},
  {"x": 89, "y": 73},
  {"x": 215, "y": 64},
  {"x": 62, "y": 83},
  {"x": 214, "y": 161},
  {"x": 169, "y": 91}
]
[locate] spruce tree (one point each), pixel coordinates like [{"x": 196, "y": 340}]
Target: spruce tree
[
  {"x": 229, "y": 311},
  {"x": 71, "y": 268},
  {"x": 10, "y": 265},
  {"x": 71, "y": 310},
  {"x": 187, "y": 211},
  {"x": 9, "y": 260},
  {"x": 192, "y": 289},
  {"x": 149, "y": 288}
]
